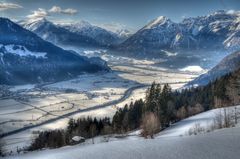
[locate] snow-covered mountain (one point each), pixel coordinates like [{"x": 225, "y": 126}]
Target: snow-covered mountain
[
  {"x": 57, "y": 34},
  {"x": 219, "y": 30},
  {"x": 101, "y": 35},
  {"x": 26, "y": 58},
  {"x": 123, "y": 33},
  {"x": 229, "y": 64},
  {"x": 77, "y": 34}
]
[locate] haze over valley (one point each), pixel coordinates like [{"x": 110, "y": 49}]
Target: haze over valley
[{"x": 74, "y": 86}]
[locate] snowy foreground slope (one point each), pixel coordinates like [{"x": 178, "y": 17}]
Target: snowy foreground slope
[
  {"x": 204, "y": 120},
  {"x": 173, "y": 142},
  {"x": 222, "y": 144}
]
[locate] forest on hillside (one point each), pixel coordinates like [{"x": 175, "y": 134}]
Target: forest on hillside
[{"x": 161, "y": 108}]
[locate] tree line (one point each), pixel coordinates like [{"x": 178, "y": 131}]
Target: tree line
[
  {"x": 161, "y": 108},
  {"x": 164, "y": 106},
  {"x": 84, "y": 127}
]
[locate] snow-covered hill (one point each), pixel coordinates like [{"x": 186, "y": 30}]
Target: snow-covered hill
[
  {"x": 171, "y": 143},
  {"x": 219, "y": 30},
  {"x": 26, "y": 58}
]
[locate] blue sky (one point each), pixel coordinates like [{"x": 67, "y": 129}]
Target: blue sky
[{"x": 132, "y": 14}]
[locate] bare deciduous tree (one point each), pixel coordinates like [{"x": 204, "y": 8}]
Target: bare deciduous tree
[
  {"x": 218, "y": 120},
  {"x": 107, "y": 131},
  {"x": 222, "y": 119},
  {"x": 235, "y": 115},
  {"x": 181, "y": 113},
  {"x": 93, "y": 131},
  {"x": 196, "y": 129},
  {"x": 150, "y": 125}
]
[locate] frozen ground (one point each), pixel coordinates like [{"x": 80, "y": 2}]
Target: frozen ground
[
  {"x": 24, "y": 138},
  {"x": 205, "y": 120},
  {"x": 33, "y": 104},
  {"x": 220, "y": 144}
]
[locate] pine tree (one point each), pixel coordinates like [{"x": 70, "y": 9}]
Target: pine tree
[
  {"x": 150, "y": 101},
  {"x": 71, "y": 125}
]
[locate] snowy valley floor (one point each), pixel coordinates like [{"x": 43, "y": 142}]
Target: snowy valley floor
[{"x": 31, "y": 105}]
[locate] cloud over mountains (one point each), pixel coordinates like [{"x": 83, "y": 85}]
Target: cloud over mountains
[
  {"x": 6, "y": 6},
  {"x": 41, "y": 12}
]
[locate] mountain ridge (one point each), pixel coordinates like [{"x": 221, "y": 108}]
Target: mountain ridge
[
  {"x": 229, "y": 64},
  {"x": 81, "y": 33},
  {"x": 218, "y": 30},
  {"x": 26, "y": 58}
]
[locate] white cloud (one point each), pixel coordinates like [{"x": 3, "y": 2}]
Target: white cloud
[
  {"x": 5, "y": 6},
  {"x": 57, "y": 9},
  {"x": 40, "y": 13},
  {"x": 70, "y": 11}
]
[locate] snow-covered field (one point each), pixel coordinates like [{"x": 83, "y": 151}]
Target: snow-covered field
[
  {"x": 87, "y": 91},
  {"x": 171, "y": 143},
  {"x": 24, "y": 138},
  {"x": 34, "y": 104},
  {"x": 41, "y": 104}
]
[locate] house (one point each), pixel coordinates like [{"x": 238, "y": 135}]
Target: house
[{"x": 77, "y": 140}]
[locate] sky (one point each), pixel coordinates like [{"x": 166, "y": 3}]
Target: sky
[{"x": 130, "y": 14}]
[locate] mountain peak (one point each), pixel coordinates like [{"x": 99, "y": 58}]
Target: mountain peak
[
  {"x": 39, "y": 20},
  {"x": 219, "y": 12},
  {"x": 82, "y": 22},
  {"x": 191, "y": 33},
  {"x": 36, "y": 20},
  {"x": 33, "y": 24},
  {"x": 6, "y": 25},
  {"x": 77, "y": 25},
  {"x": 161, "y": 20},
  {"x": 4, "y": 21},
  {"x": 35, "y": 59}
]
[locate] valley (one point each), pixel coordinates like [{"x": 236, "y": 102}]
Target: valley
[
  {"x": 31, "y": 108},
  {"x": 88, "y": 80}
]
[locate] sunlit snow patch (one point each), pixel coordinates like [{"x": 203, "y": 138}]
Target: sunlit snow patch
[
  {"x": 193, "y": 69},
  {"x": 94, "y": 52},
  {"x": 22, "y": 87},
  {"x": 169, "y": 53},
  {"x": 22, "y": 51}
]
